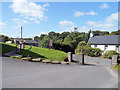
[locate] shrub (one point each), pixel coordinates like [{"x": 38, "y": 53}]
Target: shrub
[
  {"x": 110, "y": 53},
  {"x": 82, "y": 46},
  {"x": 85, "y": 47},
  {"x": 94, "y": 52}
]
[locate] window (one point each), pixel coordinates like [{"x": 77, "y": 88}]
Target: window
[
  {"x": 117, "y": 48},
  {"x": 106, "y": 46},
  {"x": 95, "y": 46}
]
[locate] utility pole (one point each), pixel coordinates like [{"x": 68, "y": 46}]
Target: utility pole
[{"x": 21, "y": 32}]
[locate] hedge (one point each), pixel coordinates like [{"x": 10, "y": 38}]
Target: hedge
[{"x": 110, "y": 53}]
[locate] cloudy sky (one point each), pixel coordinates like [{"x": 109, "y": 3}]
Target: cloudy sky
[{"x": 41, "y": 17}]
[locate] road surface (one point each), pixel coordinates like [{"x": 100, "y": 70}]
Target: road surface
[{"x": 22, "y": 74}]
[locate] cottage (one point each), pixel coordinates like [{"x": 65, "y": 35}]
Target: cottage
[
  {"x": 31, "y": 42},
  {"x": 105, "y": 43},
  {"x": 26, "y": 42}
]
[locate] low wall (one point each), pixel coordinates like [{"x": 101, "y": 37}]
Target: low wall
[
  {"x": 115, "y": 60},
  {"x": 76, "y": 58}
]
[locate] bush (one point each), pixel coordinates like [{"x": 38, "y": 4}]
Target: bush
[
  {"x": 93, "y": 52},
  {"x": 110, "y": 53},
  {"x": 81, "y": 47},
  {"x": 85, "y": 47}
]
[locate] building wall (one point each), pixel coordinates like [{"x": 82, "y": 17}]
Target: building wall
[
  {"x": 119, "y": 49},
  {"x": 109, "y": 47},
  {"x": 102, "y": 47},
  {"x": 93, "y": 46}
]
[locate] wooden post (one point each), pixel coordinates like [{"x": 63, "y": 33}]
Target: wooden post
[{"x": 82, "y": 58}]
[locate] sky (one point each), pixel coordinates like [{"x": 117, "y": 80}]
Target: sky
[{"x": 38, "y": 18}]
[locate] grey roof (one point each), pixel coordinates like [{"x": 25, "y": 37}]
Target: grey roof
[
  {"x": 27, "y": 41},
  {"x": 30, "y": 41},
  {"x": 105, "y": 40}
]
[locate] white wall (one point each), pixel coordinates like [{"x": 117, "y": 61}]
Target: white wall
[
  {"x": 111, "y": 47},
  {"x": 93, "y": 46},
  {"x": 102, "y": 47}
]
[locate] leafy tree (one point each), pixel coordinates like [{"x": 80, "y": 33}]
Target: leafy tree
[
  {"x": 4, "y": 38},
  {"x": 63, "y": 35}
]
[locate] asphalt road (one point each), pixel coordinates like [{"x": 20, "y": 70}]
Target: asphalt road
[{"x": 22, "y": 74}]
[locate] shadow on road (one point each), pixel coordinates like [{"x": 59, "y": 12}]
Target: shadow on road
[{"x": 89, "y": 64}]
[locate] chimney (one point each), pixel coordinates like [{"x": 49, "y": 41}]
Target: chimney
[{"x": 91, "y": 34}]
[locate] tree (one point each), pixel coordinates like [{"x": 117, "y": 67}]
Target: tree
[
  {"x": 75, "y": 29},
  {"x": 4, "y": 38},
  {"x": 64, "y": 35}
]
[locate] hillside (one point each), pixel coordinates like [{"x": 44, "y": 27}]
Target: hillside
[
  {"x": 37, "y": 52},
  {"x": 7, "y": 47},
  {"x": 43, "y": 53}
]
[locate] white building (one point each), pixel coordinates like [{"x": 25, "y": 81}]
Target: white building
[{"x": 105, "y": 43}]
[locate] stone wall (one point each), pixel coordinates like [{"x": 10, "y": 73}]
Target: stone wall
[
  {"x": 76, "y": 58},
  {"x": 114, "y": 60}
]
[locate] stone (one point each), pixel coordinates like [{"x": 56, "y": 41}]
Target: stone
[
  {"x": 36, "y": 60},
  {"x": 65, "y": 62},
  {"x": 46, "y": 61},
  {"x": 55, "y": 62},
  {"x": 26, "y": 58}
]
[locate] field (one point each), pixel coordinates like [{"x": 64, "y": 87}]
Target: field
[{"x": 37, "y": 52}]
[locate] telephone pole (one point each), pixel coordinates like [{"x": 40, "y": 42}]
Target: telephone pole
[{"x": 21, "y": 32}]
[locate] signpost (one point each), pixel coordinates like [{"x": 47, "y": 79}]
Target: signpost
[{"x": 50, "y": 44}]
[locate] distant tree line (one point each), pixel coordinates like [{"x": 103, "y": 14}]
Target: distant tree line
[
  {"x": 4, "y": 38},
  {"x": 68, "y": 41}
]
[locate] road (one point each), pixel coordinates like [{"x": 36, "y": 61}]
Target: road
[{"x": 22, "y": 74}]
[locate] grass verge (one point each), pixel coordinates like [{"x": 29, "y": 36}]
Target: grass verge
[{"x": 43, "y": 53}]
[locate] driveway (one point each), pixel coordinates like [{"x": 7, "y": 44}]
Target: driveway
[{"x": 23, "y": 74}]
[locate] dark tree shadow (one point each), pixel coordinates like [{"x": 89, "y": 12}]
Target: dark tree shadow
[
  {"x": 89, "y": 64},
  {"x": 25, "y": 53}
]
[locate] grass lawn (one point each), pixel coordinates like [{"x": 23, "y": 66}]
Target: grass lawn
[
  {"x": 43, "y": 53},
  {"x": 7, "y": 47}
]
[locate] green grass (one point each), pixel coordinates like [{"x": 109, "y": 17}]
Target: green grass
[
  {"x": 43, "y": 53},
  {"x": 117, "y": 67},
  {"x": 36, "y": 52},
  {"x": 7, "y": 47}
]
